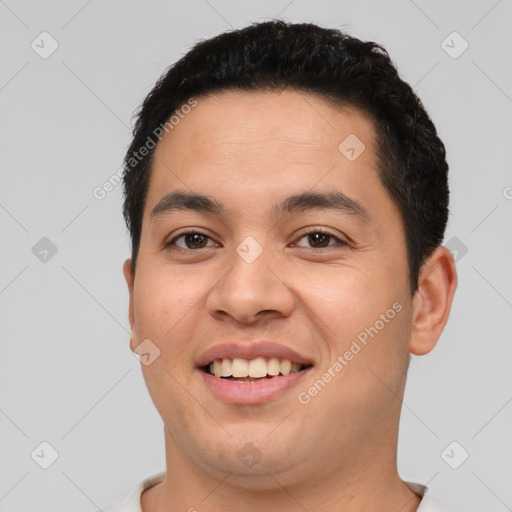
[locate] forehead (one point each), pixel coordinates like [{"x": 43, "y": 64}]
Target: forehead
[
  {"x": 283, "y": 123},
  {"x": 252, "y": 148}
]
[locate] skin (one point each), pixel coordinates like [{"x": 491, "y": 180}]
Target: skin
[{"x": 338, "y": 452}]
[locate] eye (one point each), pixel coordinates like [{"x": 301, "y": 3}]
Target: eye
[
  {"x": 320, "y": 239},
  {"x": 191, "y": 240}
]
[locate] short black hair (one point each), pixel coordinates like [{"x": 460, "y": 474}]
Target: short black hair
[{"x": 344, "y": 70}]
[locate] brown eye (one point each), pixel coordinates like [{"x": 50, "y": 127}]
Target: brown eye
[
  {"x": 320, "y": 240},
  {"x": 191, "y": 240},
  {"x": 195, "y": 241}
]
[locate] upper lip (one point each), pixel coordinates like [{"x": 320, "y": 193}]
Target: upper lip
[{"x": 251, "y": 350}]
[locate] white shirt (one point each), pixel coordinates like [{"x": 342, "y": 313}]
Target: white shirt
[{"x": 132, "y": 502}]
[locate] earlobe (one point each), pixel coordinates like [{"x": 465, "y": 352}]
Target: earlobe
[{"x": 432, "y": 300}]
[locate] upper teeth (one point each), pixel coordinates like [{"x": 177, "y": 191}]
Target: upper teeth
[{"x": 255, "y": 368}]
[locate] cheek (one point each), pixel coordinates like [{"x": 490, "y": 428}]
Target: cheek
[
  {"x": 163, "y": 297},
  {"x": 359, "y": 384},
  {"x": 167, "y": 303},
  {"x": 165, "y": 307},
  {"x": 365, "y": 321},
  {"x": 346, "y": 301}
]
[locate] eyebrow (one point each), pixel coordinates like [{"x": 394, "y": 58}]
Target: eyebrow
[{"x": 331, "y": 200}]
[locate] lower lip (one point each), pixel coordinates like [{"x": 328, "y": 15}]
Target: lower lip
[{"x": 248, "y": 393}]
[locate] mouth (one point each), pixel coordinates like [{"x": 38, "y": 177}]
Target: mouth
[
  {"x": 252, "y": 381},
  {"x": 253, "y": 370}
]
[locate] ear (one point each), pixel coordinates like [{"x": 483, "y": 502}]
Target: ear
[
  {"x": 130, "y": 280},
  {"x": 433, "y": 300}
]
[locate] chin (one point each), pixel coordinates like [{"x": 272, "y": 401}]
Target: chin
[{"x": 250, "y": 463}]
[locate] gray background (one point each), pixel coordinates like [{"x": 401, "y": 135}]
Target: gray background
[{"x": 67, "y": 375}]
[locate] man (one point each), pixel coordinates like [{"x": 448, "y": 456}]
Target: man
[{"x": 286, "y": 195}]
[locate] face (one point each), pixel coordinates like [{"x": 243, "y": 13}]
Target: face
[{"x": 296, "y": 255}]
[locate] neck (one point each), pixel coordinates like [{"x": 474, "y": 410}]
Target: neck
[{"x": 368, "y": 481}]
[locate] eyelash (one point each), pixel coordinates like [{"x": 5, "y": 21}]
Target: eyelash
[{"x": 312, "y": 232}]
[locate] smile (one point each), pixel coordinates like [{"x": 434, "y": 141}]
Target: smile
[
  {"x": 251, "y": 382},
  {"x": 251, "y": 371}
]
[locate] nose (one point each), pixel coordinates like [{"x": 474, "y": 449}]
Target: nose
[{"x": 252, "y": 290}]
